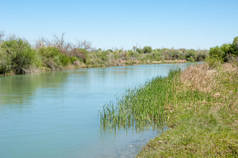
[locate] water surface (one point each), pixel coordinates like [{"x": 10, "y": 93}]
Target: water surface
[{"x": 56, "y": 115}]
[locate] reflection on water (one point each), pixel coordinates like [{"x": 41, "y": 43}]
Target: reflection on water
[
  {"x": 56, "y": 115},
  {"x": 19, "y": 89}
]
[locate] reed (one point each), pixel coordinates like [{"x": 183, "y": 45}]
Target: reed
[{"x": 142, "y": 107}]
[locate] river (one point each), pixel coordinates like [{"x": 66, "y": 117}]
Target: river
[{"x": 56, "y": 114}]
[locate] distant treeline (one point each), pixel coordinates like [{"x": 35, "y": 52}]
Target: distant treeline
[{"x": 17, "y": 56}]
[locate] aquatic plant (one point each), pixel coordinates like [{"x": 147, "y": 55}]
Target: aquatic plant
[{"x": 141, "y": 107}]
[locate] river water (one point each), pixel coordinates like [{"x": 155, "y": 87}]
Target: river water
[{"x": 56, "y": 115}]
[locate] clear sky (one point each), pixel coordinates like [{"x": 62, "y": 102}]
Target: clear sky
[{"x": 124, "y": 23}]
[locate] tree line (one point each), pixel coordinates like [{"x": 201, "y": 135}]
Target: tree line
[{"x": 18, "y": 56}]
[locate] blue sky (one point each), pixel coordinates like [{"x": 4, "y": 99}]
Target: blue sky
[{"x": 124, "y": 23}]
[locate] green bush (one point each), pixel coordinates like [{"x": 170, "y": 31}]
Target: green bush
[
  {"x": 73, "y": 59},
  {"x": 53, "y": 58},
  {"x": 5, "y": 62},
  {"x": 235, "y": 46},
  {"x": 213, "y": 62},
  {"x": 190, "y": 56},
  {"x": 200, "y": 57},
  {"x": 217, "y": 53},
  {"x": 80, "y": 53},
  {"x": 226, "y": 52},
  {"x": 20, "y": 54},
  {"x": 147, "y": 49},
  {"x": 139, "y": 50}
]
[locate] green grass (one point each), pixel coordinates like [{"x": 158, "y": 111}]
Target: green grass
[
  {"x": 201, "y": 124},
  {"x": 141, "y": 107}
]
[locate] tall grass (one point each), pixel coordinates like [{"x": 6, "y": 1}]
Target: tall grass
[
  {"x": 141, "y": 107},
  {"x": 203, "y": 117}
]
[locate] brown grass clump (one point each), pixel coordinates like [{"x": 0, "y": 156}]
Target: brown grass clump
[
  {"x": 199, "y": 77},
  {"x": 230, "y": 67}
]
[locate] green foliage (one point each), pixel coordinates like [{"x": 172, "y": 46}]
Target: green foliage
[
  {"x": 213, "y": 62},
  {"x": 99, "y": 58},
  {"x": 74, "y": 59},
  {"x": 201, "y": 124},
  {"x": 17, "y": 56},
  {"x": 5, "y": 62},
  {"x": 142, "y": 107},
  {"x": 235, "y": 46},
  {"x": 80, "y": 53},
  {"x": 190, "y": 56},
  {"x": 20, "y": 54},
  {"x": 53, "y": 58},
  {"x": 139, "y": 50},
  {"x": 147, "y": 49},
  {"x": 201, "y": 57},
  {"x": 217, "y": 53},
  {"x": 226, "y": 52},
  {"x": 156, "y": 56}
]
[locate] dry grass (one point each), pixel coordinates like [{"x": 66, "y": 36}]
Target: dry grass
[
  {"x": 230, "y": 67},
  {"x": 203, "y": 78},
  {"x": 199, "y": 77}
]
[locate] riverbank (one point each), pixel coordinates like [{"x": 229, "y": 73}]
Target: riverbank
[
  {"x": 203, "y": 116},
  {"x": 18, "y": 56},
  {"x": 82, "y": 65},
  {"x": 199, "y": 106}
]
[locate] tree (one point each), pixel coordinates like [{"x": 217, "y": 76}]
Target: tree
[
  {"x": 1, "y": 37},
  {"x": 139, "y": 50},
  {"x": 5, "y": 62},
  {"x": 235, "y": 46},
  {"x": 21, "y": 54},
  {"x": 217, "y": 52},
  {"x": 147, "y": 49}
]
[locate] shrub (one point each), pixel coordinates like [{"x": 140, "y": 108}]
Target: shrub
[
  {"x": 147, "y": 49},
  {"x": 139, "y": 50},
  {"x": 53, "y": 58},
  {"x": 200, "y": 57},
  {"x": 21, "y": 55},
  {"x": 226, "y": 52},
  {"x": 235, "y": 46},
  {"x": 217, "y": 53},
  {"x": 190, "y": 56},
  {"x": 79, "y": 53},
  {"x": 5, "y": 62}
]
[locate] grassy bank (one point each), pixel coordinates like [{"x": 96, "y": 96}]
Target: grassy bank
[
  {"x": 203, "y": 118},
  {"x": 199, "y": 106},
  {"x": 17, "y": 56}
]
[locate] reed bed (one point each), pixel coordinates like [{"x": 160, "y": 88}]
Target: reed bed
[{"x": 142, "y": 107}]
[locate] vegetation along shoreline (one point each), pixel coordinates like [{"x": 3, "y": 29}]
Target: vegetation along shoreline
[
  {"x": 17, "y": 56},
  {"x": 199, "y": 106}
]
